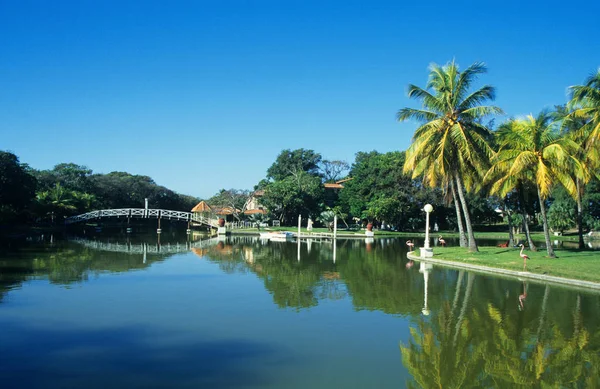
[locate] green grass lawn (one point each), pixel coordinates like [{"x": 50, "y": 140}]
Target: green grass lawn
[{"x": 580, "y": 265}]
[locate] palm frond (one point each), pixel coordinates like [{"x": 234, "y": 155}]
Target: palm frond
[
  {"x": 419, "y": 115},
  {"x": 478, "y": 97}
]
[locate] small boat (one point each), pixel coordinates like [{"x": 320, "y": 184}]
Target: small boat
[{"x": 278, "y": 236}]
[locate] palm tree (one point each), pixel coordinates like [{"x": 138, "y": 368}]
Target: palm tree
[
  {"x": 514, "y": 184},
  {"x": 583, "y": 125},
  {"x": 532, "y": 149},
  {"x": 587, "y": 100},
  {"x": 577, "y": 128},
  {"x": 451, "y": 143},
  {"x": 57, "y": 201}
]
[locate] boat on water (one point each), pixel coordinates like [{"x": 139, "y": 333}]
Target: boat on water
[{"x": 278, "y": 236}]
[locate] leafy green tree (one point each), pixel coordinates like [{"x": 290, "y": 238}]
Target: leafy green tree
[
  {"x": 380, "y": 190},
  {"x": 293, "y": 185},
  {"x": 125, "y": 190},
  {"x": 562, "y": 213},
  {"x": 483, "y": 208},
  {"x": 69, "y": 175},
  {"x": 298, "y": 194},
  {"x": 292, "y": 162},
  {"x": 591, "y": 199},
  {"x": 450, "y": 147},
  {"x": 532, "y": 149},
  {"x": 17, "y": 187},
  {"x": 73, "y": 176}
]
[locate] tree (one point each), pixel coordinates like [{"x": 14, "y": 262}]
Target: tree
[
  {"x": 562, "y": 213},
  {"x": 73, "y": 176},
  {"x": 17, "y": 187},
  {"x": 451, "y": 145},
  {"x": 300, "y": 193},
  {"x": 234, "y": 199},
  {"x": 381, "y": 191},
  {"x": 586, "y": 99},
  {"x": 531, "y": 149},
  {"x": 290, "y": 162},
  {"x": 332, "y": 170},
  {"x": 582, "y": 124},
  {"x": 591, "y": 200},
  {"x": 57, "y": 202},
  {"x": 327, "y": 218}
]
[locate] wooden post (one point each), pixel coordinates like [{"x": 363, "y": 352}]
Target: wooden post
[{"x": 299, "y": 225}]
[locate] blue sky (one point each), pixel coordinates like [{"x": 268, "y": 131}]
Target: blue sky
[{"x": 203, "y": 95}]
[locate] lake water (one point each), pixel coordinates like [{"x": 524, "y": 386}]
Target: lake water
[{"x": 246, "y": 313}]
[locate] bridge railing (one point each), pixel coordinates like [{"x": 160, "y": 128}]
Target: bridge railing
[
  {"x": 143, "y": 213},
  {"x": 143, "y": 248}
]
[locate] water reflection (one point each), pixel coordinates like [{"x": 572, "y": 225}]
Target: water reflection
[
  {"x": 502, "y": 339},
  {"x": 456, "y": 329}
]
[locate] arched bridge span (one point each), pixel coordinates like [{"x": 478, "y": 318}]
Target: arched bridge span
[{"x": 144, "y": 213}]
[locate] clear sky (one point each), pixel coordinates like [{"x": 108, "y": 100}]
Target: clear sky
[{"x": 203, "y": 95}]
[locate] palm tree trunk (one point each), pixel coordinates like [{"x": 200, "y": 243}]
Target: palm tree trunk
[
  {"x": 465, "y": 208},
  {"x": 549, "y": 248},
  {"x": 511, "y": 236},
  {"x": 524, "y": 215},
  {"x": 459, "y": 221},
  {"x": 580, "y": 214}
]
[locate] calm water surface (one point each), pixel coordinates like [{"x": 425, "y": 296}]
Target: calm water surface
[{"x": 243, "y": 313}]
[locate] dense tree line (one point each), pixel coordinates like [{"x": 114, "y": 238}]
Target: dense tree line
[
  {"x": 541, "y": 170},
  {"x": 452, "y": 149},
  {"x": 29, "y": 195}
]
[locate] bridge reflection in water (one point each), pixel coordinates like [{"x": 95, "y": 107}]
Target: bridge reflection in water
[{"x": 146, "y": 248}]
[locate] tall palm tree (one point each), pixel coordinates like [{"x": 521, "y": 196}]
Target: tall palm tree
[
  {"x": 451, "y": 143},
  {"x": 516, "y": 184},
  {"x": 532, "y": 149},
  {"x": 587, "y": 99},
  {"x": 583, "y": 125},
  {"x": 578, "y": 127}
]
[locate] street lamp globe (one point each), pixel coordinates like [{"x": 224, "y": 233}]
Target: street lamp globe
[{"x": 428, "y": 208}]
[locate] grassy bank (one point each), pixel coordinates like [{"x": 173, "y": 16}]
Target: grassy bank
[{"x": 579, "y": 265}]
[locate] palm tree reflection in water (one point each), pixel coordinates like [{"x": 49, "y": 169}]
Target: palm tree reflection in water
[{"x": 488, "y": 346}]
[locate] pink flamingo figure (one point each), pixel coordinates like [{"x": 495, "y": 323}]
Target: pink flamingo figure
[
  {"x": 411, "y": 245},
  {"x": 522, "y": 297},
  {"x": 524, "y": 256},
  {"x": 442, "y": 241}
]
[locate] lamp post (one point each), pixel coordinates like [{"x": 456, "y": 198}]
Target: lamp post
[{"x": 427, "y": 251}]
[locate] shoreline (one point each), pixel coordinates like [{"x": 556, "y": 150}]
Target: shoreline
[{"x": 542, "y": 278}]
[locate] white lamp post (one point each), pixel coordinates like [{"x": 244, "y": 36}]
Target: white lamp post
[{"x": 427, "y": 251}]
